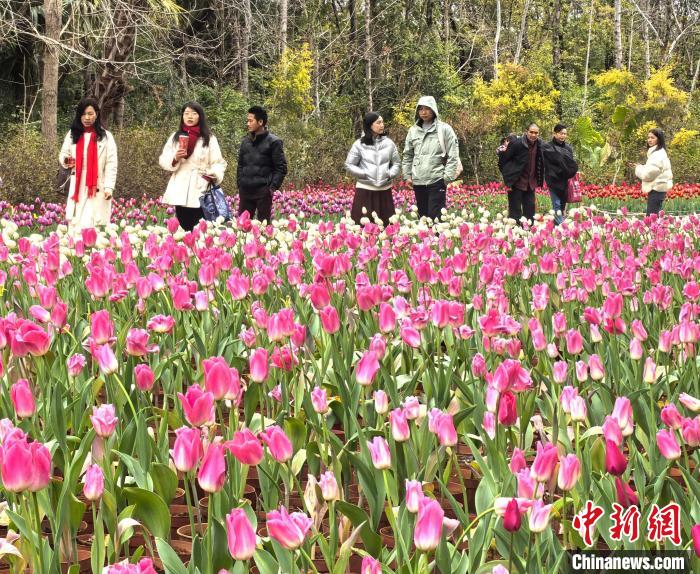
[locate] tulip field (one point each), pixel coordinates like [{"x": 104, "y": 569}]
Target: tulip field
[{"x": 314, "y": 397}]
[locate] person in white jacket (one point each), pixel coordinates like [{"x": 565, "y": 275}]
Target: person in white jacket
[
  {"x": 656, "y": 175},
  {"x": 90, "y": 151},
  {"x": 193, "y": 156}
]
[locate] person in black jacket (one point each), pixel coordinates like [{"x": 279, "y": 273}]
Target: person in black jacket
[
  {"x": 261, "y": 167},
  {"x": 522, "y": 166},
  {"x": 560, "y": 167}
]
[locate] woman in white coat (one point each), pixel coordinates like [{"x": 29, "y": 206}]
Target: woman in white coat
[
  {"x": 193, "y": 156},
  {"x": 655, "y": 174},
  {"x": 90, "y": 151}
]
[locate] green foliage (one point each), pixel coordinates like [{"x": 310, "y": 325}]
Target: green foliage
[
  {"x": 291, "y": 84},
  {"x": 684, "y": 151},
  {"x": 28, "y": 166}
]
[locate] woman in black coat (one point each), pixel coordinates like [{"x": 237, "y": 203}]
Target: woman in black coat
[{"x": 559, "y": 167}]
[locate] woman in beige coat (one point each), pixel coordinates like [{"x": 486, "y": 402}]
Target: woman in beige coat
[
  {"x": 193, "y": 156},
  {"x": 655, "y": 174},
  {"x": 90, "y": 151}
]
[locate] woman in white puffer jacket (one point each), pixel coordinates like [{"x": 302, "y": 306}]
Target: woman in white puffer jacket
[{"x": 656, "y": 175}]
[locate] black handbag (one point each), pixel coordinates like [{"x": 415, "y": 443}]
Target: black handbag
[
  {"x": 63, "y": 180},
  {"x": 214, "y": 205}
]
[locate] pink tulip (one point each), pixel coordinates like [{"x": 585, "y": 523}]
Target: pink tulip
[
  {"x": 668, "y": 444},
  {"x": 259, "y": 365},
  {"x": 695, "y": 534},
  {"x": 25, "y": 466},
  {"x": 329, "y": 319},
  {"x": 510, "y": 376},
  {"x": 414, "y": 494},
  {"x": 581, "y": 369},
  {"x": 517, "y": 461},
  {"x": 559, "y": 372},
  {"x": 649, "y": 373},
  {"x": 94, "y": 482},
  {"x": 319, "y": 400},
  {"x": 545, "y": 462},
  {"x": 507, "y": 409},
  {"x": 691, "y": 432},
  {"x": 569, "y": 472},
  {"x": 246, "y": 447},
  {"x": 411, "y": 407},
  {"x": 240, "y": 535},
  {"x": 144, "y": 377},
  {"x": 626, "y": 497},
  {"x": 367, "y": 368},
  {"x": 539, "y": 516},
  {"x": 137, "y": 343},
  {"x": 478, "y": 365},
  {"x": 161, "y": 324},
  {"x": 289, "y": 530},
  {"x": 615, "y": 462},
  {"x": 381, "y": 402},
  {"x": 377, "y": 345},
  {"x": 101, "y": 327},
  {"x": 512, "y": 518},
  {"x": 387, "y": 318},
  {"x": 574, "y": 342},
  {"x": 379, "y": 451},
  {"x": 622, "y": 413},
  {"x": 689, "y": 402},
  {"x": 636, "y": 350},
  {"x": 187, "y": 450},
  {"x": 527, "y": 486},
  {"x": 399, "y": 425},
  {"x": 671, "y": 417},
  {"x": 278, "y": 444},
  {"x": 30, "y": 338},
  {"x": 198, "y": 406},
  {"x": 489, "y": 424},
  {"x": 428, "y": 529},
  {"x": 596, "y": 368},
  {"x": 75, "y": 364},
  {"x": 104, "y": 420},
  {"x": 212, "y": 471},
  {"x": 611, "y": 430},
  {"x": 373, "y": 566},
  {"x": 445, "y": 429},
  {"x": 22, "y": 399},
  {"x": 106, "y": 360},
  {"x": 410, "y": 336},
  {"x": 578, "y": 409},
  {"x": 329, "y": 486},
  {"x": 220, "y": 379}
]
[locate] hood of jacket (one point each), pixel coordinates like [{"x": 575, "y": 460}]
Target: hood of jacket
[{"x": 429, "y": 102}]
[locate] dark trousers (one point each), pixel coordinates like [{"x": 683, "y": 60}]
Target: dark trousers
[
  {"x": 188, "y": 216},
  {"x": 430, "y": 199},
  {"x": 654, "y": 201},
  {"x": 259, "y": 207},
  {"x": 521, "y": 203}
]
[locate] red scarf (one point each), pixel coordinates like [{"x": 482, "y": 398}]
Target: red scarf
[
  {"x": 91, "y": 176},
  {"x": 193, "y": 133}
]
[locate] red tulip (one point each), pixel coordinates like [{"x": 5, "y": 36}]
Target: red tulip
[
  {"x": 615, "y": 462},
  {"x": 22, "y": 399},
  {"x": 240, "y": 535},
  {"x": 626, "y": 497},
  {"x": 507, "y": 409},
  {"x": 512, "y": 518},
  {"x": 695, "y": 533}
]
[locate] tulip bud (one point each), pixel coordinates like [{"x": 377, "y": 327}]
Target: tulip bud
[
  {"x": 94, "y": 482},
  {"x": 414, "y": 494},
  {"x": 381, "y": 402},
  {"x": 329, "y": 486},
  {"x": 240, "y": 535},
  {"x": 22, "y": 399},
  {"x": 512, "y": 519}
]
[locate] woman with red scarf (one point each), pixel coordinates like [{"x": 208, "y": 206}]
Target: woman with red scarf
[
  {"x": 90, "y": 151},
  {"x": 193, "y": 156}
]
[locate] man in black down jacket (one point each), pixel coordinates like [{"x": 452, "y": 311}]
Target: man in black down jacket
[
  {"x": 560, "y": 167},
  {"x": 261, "y": 167},
  {"x": 522, "y": 166}
]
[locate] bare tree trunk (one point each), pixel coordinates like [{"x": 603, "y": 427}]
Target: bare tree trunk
[
  {"x": 591, "y": 10},
  {"x": 631, "y": 43},
  {"x": 617, "y": 30},
  {"x": 368, "y": 52},
  {"x": 119, "y": 112},
  {"x": 521, "y": 34},
  {"x": 694, "y": 83},
  {"x": 245, "y": 46},
  {"x": 556, "y": 50},
  {"x": 647, "y": 48},
  {"x": 497, "y": 39},
  {"x": 446, "y": 19},
  {"x": 49, "y": 99},
  {"x": 284, "y": 15}
]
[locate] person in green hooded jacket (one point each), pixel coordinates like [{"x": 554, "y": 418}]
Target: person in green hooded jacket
[{"x": 430, "y": 158}]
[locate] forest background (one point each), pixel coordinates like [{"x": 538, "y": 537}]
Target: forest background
[{"x": 611, "y": 69}]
